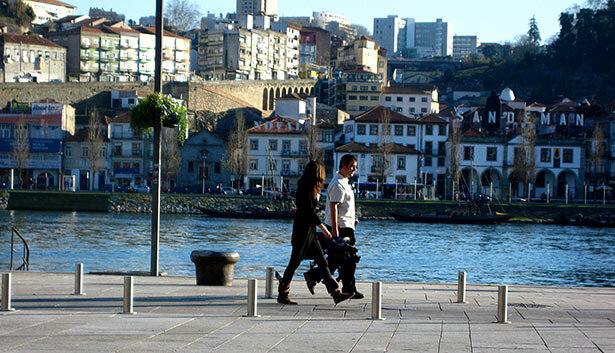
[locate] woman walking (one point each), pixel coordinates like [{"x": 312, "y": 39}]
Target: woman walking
[{"x": 305, "y": 245}]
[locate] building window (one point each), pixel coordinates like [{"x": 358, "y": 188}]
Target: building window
[
  {"x": 190, "y": 167},
  {"x": 568, "y": 155},
  {"x": 286, "y": 166},
  {"x": 492, "y": 154},
  {"x": 253, "y": 164},
  {"x": 411, "y": 130},
  {"x": 374, "y": 98},
  {"x": 429, "y": 129},
  {"x": 387, "y": 99},
  {"x": 363, "y": 98},
  {"x": 68, "y": 151},
  {"x": 400, "y": 179},
  {"x": 411, "y": 110},
  {"x": 400, "y": 99},
  {"x": 401, "y": 163},
  {"x": 85, "y": 151},
  {"x": 254, "y": 145},
  {"x": 399, "y": 130},
  {"x": 441, "y": 148},
  {"x": 545, "y": 155},
  {"x": 412, "y": 99},
  {"x": 302, "y": 146},
  {"x": 273, "y": 145},
  {"x": 374, "y": 88},
  {"x": 428, "y": 147},
  {"x": 136, "y": 149},
  {"x": 117, "y": 149},
  {"x": 360, "y": 129},
  {"x": 373, "y": 130},
  {"x": 468, "y": 153},
  {"x": 285, "y": 145},
  {"x": 440, "y": 161},
  {"x": 217, "y": 168},
  {"x": 442, "y": 130},
  {"x": 428, "y": 162},
  {"x": 399, "y": 109},
  {"x": 352, "y": 98},
  {"x": 423, "y": 110},
  {"x": 424, "y": 99}
]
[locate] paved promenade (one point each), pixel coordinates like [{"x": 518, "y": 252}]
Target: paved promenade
[{"x": 175, "y": 315}]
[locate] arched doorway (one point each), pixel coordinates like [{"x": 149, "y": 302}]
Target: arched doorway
[
  {"x": 469, "y": 182},
  {"x": 45, "y": 181},
  {"x": 284, "y": 92},
  {"x": 491, "y": 178},
  {"x": 564, "y": 178},
  {"x": 271, "y": 99},
  {"x": 544, "y": 184}
]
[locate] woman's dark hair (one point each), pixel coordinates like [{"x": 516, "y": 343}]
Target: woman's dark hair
[{"x": 313, "y": 177}]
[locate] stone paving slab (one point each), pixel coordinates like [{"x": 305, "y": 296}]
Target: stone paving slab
[{"x": 173, "y": 314}]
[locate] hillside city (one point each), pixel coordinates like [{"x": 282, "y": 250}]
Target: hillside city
[{"x": 266, "y": 93}]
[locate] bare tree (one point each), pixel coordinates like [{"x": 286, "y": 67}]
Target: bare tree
[
  {"x": 183, "y": 14},
  {"x": 237, "y": 149},
  {"x": 454, "y": 141},
  {"x": 597, "y": 152},
  {"x": 524, "y": 166},
  {"x": 95, "y": 140},
  {"x": 312, "y": 134},
  {"x": 171, "y": 155},
  {"x": 382, "y": 158},
  {"x": 21, "y": 148}
]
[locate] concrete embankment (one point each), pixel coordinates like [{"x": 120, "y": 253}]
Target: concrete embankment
[{"x": 189, "y": 203}]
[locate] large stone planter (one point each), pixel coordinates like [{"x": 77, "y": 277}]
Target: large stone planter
[{"x": 214, "y": 268}]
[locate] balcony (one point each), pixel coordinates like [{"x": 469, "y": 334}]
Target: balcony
[
  {"x": 288, "y": 173},
  {"x": 107, "y": 59},
  {"x": 376, "y": 169},
  {"x": 107, "y": 47},
  {"x": 289, "y": 153}
]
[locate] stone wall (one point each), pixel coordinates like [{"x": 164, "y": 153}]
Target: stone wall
[{"x": 215, "y": 96}]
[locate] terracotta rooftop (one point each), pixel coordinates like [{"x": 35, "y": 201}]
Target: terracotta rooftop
[
  {"x": 152, "y": 30},
  {"x": 432, "y": 119},
  {"x": 361, "y": 148},
  {"x": 123, "y": 117},
  {"x": 27, "y": 39},
  {"x": 376, "y": 115},
  {"x": 56, "y": 2}
]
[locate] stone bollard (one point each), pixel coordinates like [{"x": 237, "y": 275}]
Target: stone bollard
[
  {"x": 128, "y": 295},
  {"x": 79, "y": 280},
  {"x": 6, "y": 292},
  {"x": 214, "y": 268},
  {"x": 269, "y": 283},
  {"x": 503, "y": 304},
  {"x": 461, "y": 287},
  {"x": 252, "y": 299},
  {"x": 377, "y": 301}
]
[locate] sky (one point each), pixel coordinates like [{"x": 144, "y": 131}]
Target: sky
[{"x": 492, "y": 20}]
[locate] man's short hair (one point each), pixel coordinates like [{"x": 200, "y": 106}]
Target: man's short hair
[{"x": 347, "y": 159}]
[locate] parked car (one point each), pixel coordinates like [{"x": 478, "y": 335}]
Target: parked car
[
  {"x": 227, "y": 190},
  {"x": 142, "y": 189}
]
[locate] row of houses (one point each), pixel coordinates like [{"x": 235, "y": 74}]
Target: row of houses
[{"x": 395, "y": 151}]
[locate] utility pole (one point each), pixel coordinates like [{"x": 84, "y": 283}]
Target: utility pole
[{"x": 156, "y": 158}]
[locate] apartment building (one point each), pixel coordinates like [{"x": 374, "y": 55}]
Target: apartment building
[
  {"x": 257, "y": 7},
  {"x": 175, "y": 54},
  {"x": 360, "y": 91},
  {"x": 409, "y": 38},
  {"x": 314, "y": 52},
  {"x": 89, "y": 168},
  {"x": 49, "y": 10},
  {"x": 465, "y": 45},
  {"x": 246, "y": 54},
  {"x": 411, "y": 100},
  {"x": 131, "y": 154},
  {"x": 31, "y": 58},
  {"x": 394, "y": 34}
]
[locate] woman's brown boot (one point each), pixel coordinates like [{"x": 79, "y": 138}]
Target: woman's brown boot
[{"x": 283, "y": 294}]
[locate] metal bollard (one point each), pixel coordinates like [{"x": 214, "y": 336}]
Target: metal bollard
[
  {"x": 377, "y": 301},
  {"x": 269, "y": 283},
  {"x": 252, "y": 302},
  {"x": 461, "y": 287},
  {"x": 79, "y": 280},
  {"x": 128, "y": 301},
  {"x": 503, "y": 304},
  {"x": 6, "y": 292}
]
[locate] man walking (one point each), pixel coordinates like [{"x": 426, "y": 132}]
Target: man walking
[{"x": 340, "y": 219}]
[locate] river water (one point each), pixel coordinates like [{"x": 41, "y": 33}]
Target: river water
[{"x": 390, "y": 250}]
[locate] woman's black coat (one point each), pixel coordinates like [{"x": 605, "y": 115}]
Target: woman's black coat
[{"x": 305, "y": 222}]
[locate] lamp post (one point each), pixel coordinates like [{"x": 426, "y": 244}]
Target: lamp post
[{"x": 156, "y": 158}]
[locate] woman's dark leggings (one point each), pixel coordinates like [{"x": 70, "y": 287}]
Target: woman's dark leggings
[{"x": 313, "y": 252}]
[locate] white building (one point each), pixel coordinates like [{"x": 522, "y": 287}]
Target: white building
[
  {"x": 30, "y": 58},
  {"x": 49, "y": 10},
  {"x": 465, "y": 46},
  {"x": 394, "y": 34},
  {"x": 412, "y": 101},
  {"x": 417, "y": 39},
  {"x": 434, "y": 38}
]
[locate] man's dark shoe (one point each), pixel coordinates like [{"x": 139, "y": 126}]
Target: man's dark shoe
[
  {"x": 339, "y": 297},
  {"x": 285, "y": 299},
  {"x": 358, "y": 295},
  {"x": 309, "y": 282}
]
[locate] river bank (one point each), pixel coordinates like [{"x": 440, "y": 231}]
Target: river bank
[{"x": 189, "y": 204}]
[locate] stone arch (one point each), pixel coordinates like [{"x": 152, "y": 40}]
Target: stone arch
[
  {"x": 488, "y": 178},
  {"x": 296, "y": 90},
  {"x": 265, "y": 99},
  {"x": 311, "y": 91},
  {"x": 271, "y": 98},
  {"x": 469, "y": 181},
  {"x": 277, "y": 93},
  {"x": 284, "y": 92},
  {"x": 544, "y": 183}
]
